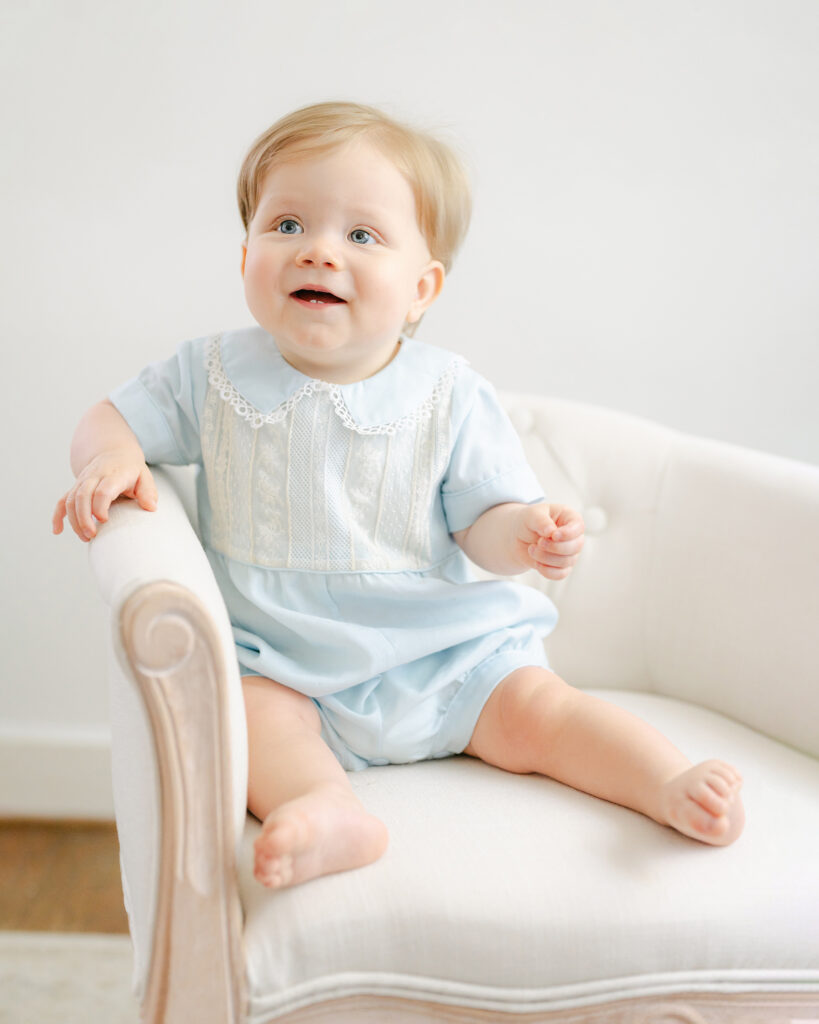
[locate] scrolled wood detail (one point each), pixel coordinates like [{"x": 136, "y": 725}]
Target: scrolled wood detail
[
  {"x": 162, "y": 643},
  {"x": 197, "y": 969}
]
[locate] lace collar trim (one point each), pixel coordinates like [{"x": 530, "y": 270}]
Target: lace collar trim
[{"x": 445, "y": 364}]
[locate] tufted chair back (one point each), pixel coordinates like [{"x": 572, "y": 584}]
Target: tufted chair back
[{"x": 641, "y": 489}]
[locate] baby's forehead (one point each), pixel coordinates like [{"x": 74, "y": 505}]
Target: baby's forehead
[
  {"x": 356, "y": 151},
  {"x": 360, "y": 176}
]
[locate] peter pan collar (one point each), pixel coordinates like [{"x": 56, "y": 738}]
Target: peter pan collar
[{"x": 250, "y": 372}]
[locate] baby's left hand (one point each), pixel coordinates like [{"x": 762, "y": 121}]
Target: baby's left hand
[{"x": 550, "y": 539}]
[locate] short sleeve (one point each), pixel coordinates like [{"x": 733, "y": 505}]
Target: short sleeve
[
  {"x": 162, "y": 406},
  {"x": 487, "y": 466}
]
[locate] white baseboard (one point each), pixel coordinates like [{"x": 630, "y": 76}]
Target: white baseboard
[{"x": 49, "y": 771}]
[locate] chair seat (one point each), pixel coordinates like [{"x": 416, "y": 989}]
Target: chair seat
[{"x": 532, "y": 893}]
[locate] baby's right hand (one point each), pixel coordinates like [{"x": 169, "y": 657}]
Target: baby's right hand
[{"x": 106, "y": 477}]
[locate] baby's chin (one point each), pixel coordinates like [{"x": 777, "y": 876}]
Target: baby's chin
[{"x": 322, "y": 357}]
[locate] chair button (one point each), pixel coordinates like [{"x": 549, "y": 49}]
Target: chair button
[{"x": 595, "y": 519}]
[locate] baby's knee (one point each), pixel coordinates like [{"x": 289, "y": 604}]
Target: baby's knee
[
  {"x": 523, "y": 714},
  {"x": 265, "y": 698},
  {"x": 532, "y": 703}
]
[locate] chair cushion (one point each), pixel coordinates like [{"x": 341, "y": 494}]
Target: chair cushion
[{"x": 535, "y": 897}]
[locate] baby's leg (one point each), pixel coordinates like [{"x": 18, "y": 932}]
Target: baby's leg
[
  {"x": 534, "y": 722},
  {"x": 312, "y": 822}
]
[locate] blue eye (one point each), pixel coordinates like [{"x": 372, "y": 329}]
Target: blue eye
[
  {"x": 361, "y": 237},
  {"x": 290, "y": 227}
]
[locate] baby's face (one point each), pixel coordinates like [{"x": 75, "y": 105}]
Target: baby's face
[{"x": 335, "y": 263}]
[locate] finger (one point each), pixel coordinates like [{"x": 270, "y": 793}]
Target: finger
[
  {"x": 552, "y": 574},
  {"x": 569, "y": 547},
  {"x": 101, "y": 502},
  {"x": 71, "y": 514},
  {"x": 58, "y": 516},
  {"x": 569, "y": 530},
  {"x": 537, "y": 520},
  {"x": 548, "y": 559},
  {"x": 85, "y": 495},
  {"x": 145, "y": 491},
  {"x": 83, "y": 506},
  {"x": 566, "y": 515},
  {"x": 531, "y": 536},
  {"x": 106, "y": 492}
]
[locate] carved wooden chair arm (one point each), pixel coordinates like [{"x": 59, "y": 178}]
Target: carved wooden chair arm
[{"x": 179, "y": 760}]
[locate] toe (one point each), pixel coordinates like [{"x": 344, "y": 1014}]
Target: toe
[
  {"x": 282, "y": 837},
  {"x": 719, "y": 784},
  {"x": 704, "y": 823},
  {"x": 727, "y": 773},
  {"x": 708, "y": 799},
  {"x": 283, "y": 872},
  {"x": 275, "y": 872}
]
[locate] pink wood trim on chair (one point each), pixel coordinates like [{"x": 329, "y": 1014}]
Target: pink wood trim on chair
[
  {"x": 197, "y": 966},
  {"x": 687, "y": 1008}
]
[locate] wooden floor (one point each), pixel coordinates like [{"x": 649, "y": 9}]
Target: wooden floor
[{"x": 60, "y": 877}]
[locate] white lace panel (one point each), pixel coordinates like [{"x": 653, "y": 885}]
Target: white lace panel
[{"x": 302, "y": 489}]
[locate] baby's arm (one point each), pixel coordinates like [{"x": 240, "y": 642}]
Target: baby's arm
[
  {"x": 510, "y": 538},
  {"x": 108, "y": 462}
]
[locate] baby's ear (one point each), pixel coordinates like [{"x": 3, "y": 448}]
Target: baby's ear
[
  {"x": 429, "y": 288},
  {"x": 244, "y": 257}
]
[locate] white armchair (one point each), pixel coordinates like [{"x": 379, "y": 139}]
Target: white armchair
[{"x": 502, "y": 898}]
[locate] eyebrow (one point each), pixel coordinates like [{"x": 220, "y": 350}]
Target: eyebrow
[{"x": 362, "y": 211}]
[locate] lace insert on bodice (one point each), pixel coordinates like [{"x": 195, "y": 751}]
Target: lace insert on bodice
[{"x": 306, "y": 487}]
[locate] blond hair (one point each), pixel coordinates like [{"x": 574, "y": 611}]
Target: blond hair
[{"x": 436, "y": 176}]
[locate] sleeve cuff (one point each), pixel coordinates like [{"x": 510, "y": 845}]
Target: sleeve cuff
[
  {"x": 136, "y": 405},
  {"x": 465, "y": 507}
]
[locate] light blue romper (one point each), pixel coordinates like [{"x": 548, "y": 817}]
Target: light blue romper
[{"x": 327, "y": 511}]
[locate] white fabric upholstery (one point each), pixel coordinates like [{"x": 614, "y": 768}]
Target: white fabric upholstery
[
  {"x": 516, "y": 893},
  {"x": 700, "y": 581},
  {"x": 695, "y": 605}
]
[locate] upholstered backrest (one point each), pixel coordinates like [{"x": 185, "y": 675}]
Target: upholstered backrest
[
  {"x": 700, "y": 575},
  {"x": 609, "y": 468},
  {"x": 698, "y": 579}
]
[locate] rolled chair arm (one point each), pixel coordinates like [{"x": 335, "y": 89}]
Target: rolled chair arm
[
  {"x": 179, "y": 759},
  {"x": 733, "y": 600}
]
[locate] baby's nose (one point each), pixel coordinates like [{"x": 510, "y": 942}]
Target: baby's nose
[{"x": 319, "y": 253}]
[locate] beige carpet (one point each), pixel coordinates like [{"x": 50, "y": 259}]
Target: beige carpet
[{"x": 51, "y": 978}]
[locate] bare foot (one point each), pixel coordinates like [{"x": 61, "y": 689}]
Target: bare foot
[
  {"x": 319, "y": 833},
  {"x": 703, "y": 802}
]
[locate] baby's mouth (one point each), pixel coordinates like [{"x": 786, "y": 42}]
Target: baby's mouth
[{"x": 315, "y": 298}]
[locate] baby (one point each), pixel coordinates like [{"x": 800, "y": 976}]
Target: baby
[{"x": 348, "y": 474}]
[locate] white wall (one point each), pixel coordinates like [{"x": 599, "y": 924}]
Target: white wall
[{"x": 645, "y": 237}]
